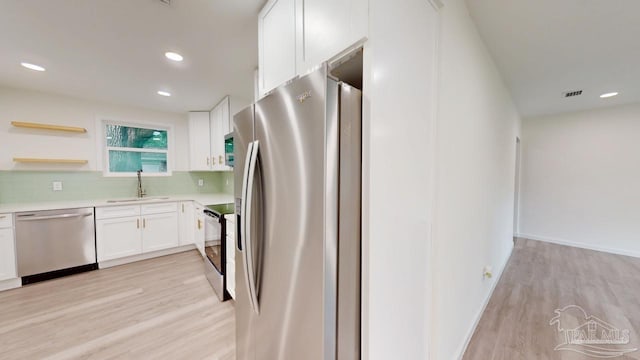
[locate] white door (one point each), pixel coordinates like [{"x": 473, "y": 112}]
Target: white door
[
  {"x": 186, "y": 228},
  {"x": 160, "y": 231},
  {"x": 7, "y": 255},
  {"x": 117, "y": 238},
  {"x": 276, "y": 43},
  {"x": 199, "y": 141}
]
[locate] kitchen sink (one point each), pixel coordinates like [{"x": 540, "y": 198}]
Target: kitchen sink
[{"x": 137, "y": 199}]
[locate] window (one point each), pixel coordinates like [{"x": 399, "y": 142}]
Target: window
[{"x": 133, "y": 148}]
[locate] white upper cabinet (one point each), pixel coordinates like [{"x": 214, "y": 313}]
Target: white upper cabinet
[
  {"x": 220, "y": 126},
  {"x": 327, "y": 27},
  {"x": 277, "y": 43},
  {"x": 297, "y": 35},
  {"x": 206, "y": 137},
  {"x": 199, "y": 142}
]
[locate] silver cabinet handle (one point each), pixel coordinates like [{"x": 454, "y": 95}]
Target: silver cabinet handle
[
  {"x": 49, "y": 217},
  {"x": 247, "y": 190}
]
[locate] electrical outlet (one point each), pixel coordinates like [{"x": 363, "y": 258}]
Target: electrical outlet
[
  {"x": 57, "y": 185},
  {"x": 487, "y": 271},
  {"x": 200, "y": 182}
]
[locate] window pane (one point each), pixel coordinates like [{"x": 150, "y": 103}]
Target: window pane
[
  {"x": 131, "y": 161},
  {"x": 133, "y": 137}
]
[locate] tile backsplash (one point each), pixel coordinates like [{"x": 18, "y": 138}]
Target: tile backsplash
[{"x": 37, "y": 186}]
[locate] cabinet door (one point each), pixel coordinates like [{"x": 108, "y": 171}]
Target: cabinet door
[
  {"x": 199, "y": 141},
  {"x": 7, "y": 254},
  {"x": 220, "y": 126},
  {"x": 117, "y": 238},
  {"x": 215, "y": 137},
  {"x": 185, "y": 223},
  {"x": 276, "y": 43},
  {"x": 199, "y": 229},
  {"x": 225, "y": 126},
  {"x": 159, "y": 231},
  {"x": 327, "y": 27}
]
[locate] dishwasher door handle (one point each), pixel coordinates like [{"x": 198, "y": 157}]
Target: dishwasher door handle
[{"x": 49, "y": 217}]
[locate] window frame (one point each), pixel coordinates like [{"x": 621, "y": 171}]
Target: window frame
[{"x": 104, "y": 148}]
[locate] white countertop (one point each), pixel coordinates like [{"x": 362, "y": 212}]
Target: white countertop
[{"x": 202, "y": 199}]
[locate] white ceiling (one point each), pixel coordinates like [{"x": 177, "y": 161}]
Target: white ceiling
[
  {"x": 113, "y": 50},
  {"x": 546, "y": 47}
]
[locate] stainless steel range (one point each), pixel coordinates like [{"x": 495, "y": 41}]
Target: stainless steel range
[{"x": 215, "y": 264}]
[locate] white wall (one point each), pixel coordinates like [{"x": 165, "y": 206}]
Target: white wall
[
  {"x": 581, "y": 179},
  {"x": 477, "y": 125},
  {"x": 33, "y": 106},
  {"x": 398, "y": 109}
]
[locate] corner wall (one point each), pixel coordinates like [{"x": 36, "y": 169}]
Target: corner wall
[
  {"x": 580, "y": 179},
  {"x": 477, "y": 126}
]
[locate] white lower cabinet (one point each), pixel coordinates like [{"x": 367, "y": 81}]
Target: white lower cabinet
[
  {"x": 159, "y": 232},
  {"x": 199, "y": 232},
  {"x": 153, "y": 228},
  {"x": 186, "y": 223},
  {"x": 118, "y": 238},
  {"x": 7, "y": 254}
]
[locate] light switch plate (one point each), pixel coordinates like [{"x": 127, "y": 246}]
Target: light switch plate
[
  {"x": 57, "y": 186},
  {"x": 200, "y": 182}
]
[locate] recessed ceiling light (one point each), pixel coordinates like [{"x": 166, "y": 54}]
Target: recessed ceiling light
[
  {"x": 33, "y": 66},
  {"x": 608, "y": 95},
  {"x": 164, "y": 93},
  {"x": 173, "y": 56}
]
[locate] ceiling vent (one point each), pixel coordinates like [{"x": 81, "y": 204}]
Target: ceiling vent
[
  {"x": 165, "y": 2},
  {"x": 569, "y": 94}
]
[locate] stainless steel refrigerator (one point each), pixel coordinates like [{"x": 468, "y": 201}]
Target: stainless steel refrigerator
[{"x": 298, "y": 194}]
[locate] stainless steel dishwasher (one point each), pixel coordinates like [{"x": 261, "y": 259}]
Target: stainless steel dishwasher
[{"x": 55, "y": 243}]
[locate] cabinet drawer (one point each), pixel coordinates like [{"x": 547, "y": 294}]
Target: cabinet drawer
[
  {"x": 162, "y": 208},
  {"x": 6, "y": 221},
  {"x": 111, "y": 212}
]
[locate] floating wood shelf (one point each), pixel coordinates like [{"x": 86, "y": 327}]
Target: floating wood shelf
[
  {"x": 48, "y": 127},
  {"x": 51, "y": 161}
]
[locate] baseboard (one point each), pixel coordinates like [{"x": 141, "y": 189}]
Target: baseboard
[
  {"x": 483, "y": 308},
  {"x": 155, "y": 254},
  {"x": 10, "y": 284},
  {"x": 565, "y": 242}
]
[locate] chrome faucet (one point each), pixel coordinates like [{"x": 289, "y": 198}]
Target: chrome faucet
[{"x": 141, "y": 192}]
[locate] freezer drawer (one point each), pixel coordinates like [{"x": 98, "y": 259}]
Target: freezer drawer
[{"x": 53, "y": 240}]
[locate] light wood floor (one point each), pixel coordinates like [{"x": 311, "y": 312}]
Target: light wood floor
[
  {"x": 156, "y": 309},
  {"x": 542, "y": 277}
]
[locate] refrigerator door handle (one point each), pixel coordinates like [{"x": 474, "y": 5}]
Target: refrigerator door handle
[
  {"x": 248, "y": 241},
  {"x": 243, "y": 206}
]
